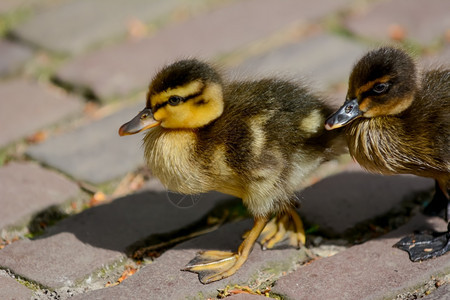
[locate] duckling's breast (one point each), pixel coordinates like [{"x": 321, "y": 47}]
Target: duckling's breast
[
  {"x": 381, "y": 145},
  {"x": 174, "y": 158},
  {"x": 169, "y": 155}
]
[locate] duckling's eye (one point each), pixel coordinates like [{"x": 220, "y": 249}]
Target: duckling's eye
[
  {"x": 175, "y": 100},
  {"x": 380, "y": 88},
  {"x": 144, "y": 116}
]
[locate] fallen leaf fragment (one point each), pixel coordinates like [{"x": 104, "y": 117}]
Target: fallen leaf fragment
[
  {"x": 125, "y": 274},
  {"x": 97, "y": 199},
  {"x": 37, "y": 137},
  {"x": 397, "y": 32},
  {"x": 4, "y": 243},
  {"x": 137, "y": 29}
]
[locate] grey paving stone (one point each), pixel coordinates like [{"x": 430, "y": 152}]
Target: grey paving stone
[
  {"x": 82, "y": 23},
  {"x": 322, "y": 60},
  {"x": 163, "y": 279},
  {"x": 26, "y": 189},
  {"x": 94, "y": 152},
  {"x": 13, "y": 56},
  {"x": 422, "y": 23},
  {"x": 61, "y": 260},
  {"x": 26, "y": 107},
  {"x": 11, "y": 289},
  {"x": 442, "y": 293},
  {"x": 339, "y": 202},
  {"x": 128, "y": 67},
  {"x": 8, "y": 6},
  {"x": 373, "y": 270},
  {"x": 80, "y": 245}
]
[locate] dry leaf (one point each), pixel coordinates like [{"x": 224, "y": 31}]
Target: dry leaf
[
  {"x": 397, "y": 32},
  {"x": 37, "y": 137},
  {"x": 127, "y": 273},
  {"x": 97, "y": 199},
  {"x": 137, "y": 29}
]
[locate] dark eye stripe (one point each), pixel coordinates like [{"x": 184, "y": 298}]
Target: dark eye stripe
[{"x": 160, "y": 105}]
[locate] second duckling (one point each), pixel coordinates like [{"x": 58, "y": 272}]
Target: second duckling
[
  {"x": 398, "y": 122},
  {"x": 256, "y": 140}
]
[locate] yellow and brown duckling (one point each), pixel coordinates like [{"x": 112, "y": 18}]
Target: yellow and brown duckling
[
  {"x": 255, "y": 140},
  {"x": 398, "y": 122}
]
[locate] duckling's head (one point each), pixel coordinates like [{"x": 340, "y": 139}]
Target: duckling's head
[
  {"x": 184, "y": 95},
  {"x": 382, "y": 82}
]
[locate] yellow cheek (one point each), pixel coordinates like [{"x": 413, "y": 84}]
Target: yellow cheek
[
  {"x": 364, "y": 105},
  {"x": 175, "y": 116},
  {"x": 160, "y": 114}
]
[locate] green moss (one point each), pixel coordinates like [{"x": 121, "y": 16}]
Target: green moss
[
  {"x": 3, "y": 157},
  {"x": 31, "y": 285},
  {"x": 11, "y": 19}
]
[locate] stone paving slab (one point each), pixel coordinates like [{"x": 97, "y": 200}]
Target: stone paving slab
[
  {"x": 13, "y": 56},
  {"x": 82, "y": 23},
  {"x": 61, "y": 260},
  {"x": 163, "y": 279},
  {"x": 12, "y": 6},
  {"x": 94, "y": 152},
  {"x": 339, "y": 202},
  {"x": 26, "y": 189},
  {"x": 85, "y": 243},
  {"x": 11, "y": 289},
  {"x": 442, "y": 293},
  {"x": 119, "y": 70},
  {"x": 26, "y": 107},
  {"x": 322, "y": 60},
  {"x": 373, "y": 270},
  {"x": 422, "y": 23}
]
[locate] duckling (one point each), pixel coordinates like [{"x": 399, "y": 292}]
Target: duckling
[
  {"x": 255, "y": 140},
  {"x": 398, "y": 122}
]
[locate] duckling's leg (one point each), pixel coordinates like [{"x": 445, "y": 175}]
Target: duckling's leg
[
  {"x": 439, "y": 205},
  {"x": 423, "y": 246},
  {"x": 286, "y": 229},
  {"x": 215, "y": 265}
]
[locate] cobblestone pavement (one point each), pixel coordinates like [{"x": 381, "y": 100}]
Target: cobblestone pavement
[{"x": 82, "y": 217}]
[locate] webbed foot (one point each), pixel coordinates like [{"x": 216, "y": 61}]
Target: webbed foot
[
  {"x": 423, "y": 246},
  {"x": 216, "y": 265},
  {"x": 283, "y": 230},
  {"x": 212, "y": 265}
]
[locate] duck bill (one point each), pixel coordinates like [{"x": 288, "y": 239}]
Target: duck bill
[
  {"x": 344, "y": 115},
  {"x": 143, "y": 121}
]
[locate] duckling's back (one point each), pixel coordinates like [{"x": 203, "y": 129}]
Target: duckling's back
[
  {"x": 271, "y": 135},
  {"x": 430, "y": 114}
]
